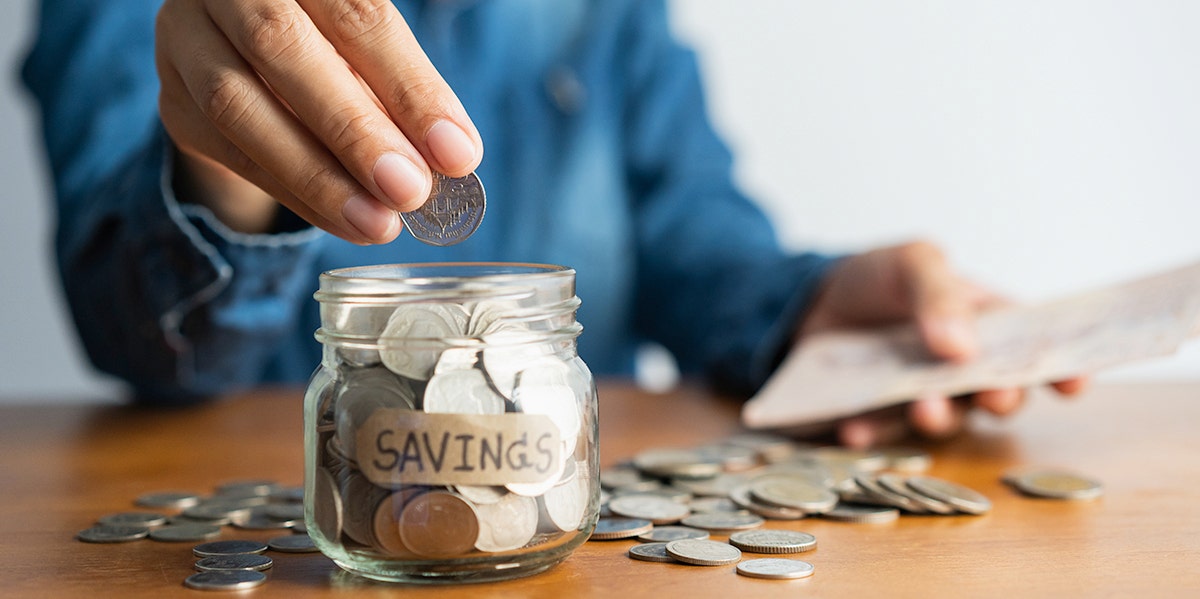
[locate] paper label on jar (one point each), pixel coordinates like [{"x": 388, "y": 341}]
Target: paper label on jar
[{"x": 399, "y": 446}]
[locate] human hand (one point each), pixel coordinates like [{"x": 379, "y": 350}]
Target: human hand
[
  {"x": 913, "y": 282},
  {"x": 329, "y": 106}
]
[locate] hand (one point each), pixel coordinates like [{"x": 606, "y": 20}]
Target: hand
[
  {"x": 913, "y": 282},
  {"x": 328, "y": 106}
]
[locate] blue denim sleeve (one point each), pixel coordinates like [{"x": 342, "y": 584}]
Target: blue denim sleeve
[
  {"x": 162, "y": 295},
  {"x": 714, "y": 285}
]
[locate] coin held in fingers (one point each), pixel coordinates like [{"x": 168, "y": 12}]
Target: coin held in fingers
[{"x": 452, "y": 213}]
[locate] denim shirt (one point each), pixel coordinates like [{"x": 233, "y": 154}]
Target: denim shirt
[{"x": 598, "y": 155}]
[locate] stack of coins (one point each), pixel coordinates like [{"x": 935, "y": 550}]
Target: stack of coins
[
  {"x": 250, "y": 505},
  {"x": 447, "y": 364}
]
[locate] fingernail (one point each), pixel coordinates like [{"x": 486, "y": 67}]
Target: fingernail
[
  {"x": 450, "y": 146},
  {"x": 374, "y": 221},
  {"x": 405, "y": 185}
]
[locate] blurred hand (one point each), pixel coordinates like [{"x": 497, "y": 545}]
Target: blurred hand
[
  {"x": 913, "y": 282},
  {"x": 328, "y": 106}
]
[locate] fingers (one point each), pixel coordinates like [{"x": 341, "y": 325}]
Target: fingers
[
  {"x": 937, "y": 416},
  {"x": 1073, "y": 386},
  {"x": 233, "y": 108},
  {"x": 999, "y": 402},
  {"x": 375, "y": 40},
  {"x": 874, "y": 428},
  {"x": 942, "y": 305}
]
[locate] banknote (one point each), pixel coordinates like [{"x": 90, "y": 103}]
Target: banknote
[{"x": 836, "y": 374}]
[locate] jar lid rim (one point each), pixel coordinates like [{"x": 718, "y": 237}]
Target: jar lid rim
[{"x": 491, "y": 271}]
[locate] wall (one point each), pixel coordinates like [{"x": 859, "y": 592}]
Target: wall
[{"x": 1050, "y": 147}]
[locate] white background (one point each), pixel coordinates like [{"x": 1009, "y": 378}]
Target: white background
[{"x": 1048, "y": 146}]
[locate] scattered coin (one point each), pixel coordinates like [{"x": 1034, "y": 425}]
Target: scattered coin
[
  {"x": 1057, "y": 485},
  {"x": 146, "y": 519},
  {"x": 168, "y": 499},
  {"x": 230, "y": 547},
  {"x": 963, "y": 499},
  {"x": 608, "y": 529},
  {"x": 658, "y": 510},
  {"x": 775, "y": 568},
  {"x": 651, "y": 552},
  {"x": 105, "y": 533},
  {"x": 899, "y": 485},
  {"x": 219, "y": 514},
  {"x": 703, "y": 553},
  {"x": 663, "y": 534},
  {"x": 225, "y": 580},
  {"x": 289, "y": 512},
  {"x": 866, "y": 514},
  {"x": 240, "y": 488},
  {"x": 453, "y": 211},
  {"x": 793, "y": 492},
  {"x": 175, "y": 533},
  {"x": 292, "y": 544},
  {"x": 742, "y": 497},
  {"x": 722, "y": 522},
  {"x": 773, "y": 541},
  {"x": 237, "y": 561}
]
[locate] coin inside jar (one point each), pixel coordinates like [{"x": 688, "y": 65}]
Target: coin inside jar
[{"x": 439, "y": 524}]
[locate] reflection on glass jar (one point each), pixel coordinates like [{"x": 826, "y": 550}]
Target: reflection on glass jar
[{"x": 450, "y": 431}]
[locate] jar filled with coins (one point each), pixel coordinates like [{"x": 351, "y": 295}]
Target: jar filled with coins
[{"x": 450, "y": 431}]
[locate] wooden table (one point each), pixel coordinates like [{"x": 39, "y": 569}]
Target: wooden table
[{"x": 61, "y": 467}]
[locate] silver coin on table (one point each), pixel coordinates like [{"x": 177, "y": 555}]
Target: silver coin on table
[
  {"x": 168, "y": 499},
  {"x": 775, "y": 568},
  {"x": 907, "y": 459},
  {"x": 700, "y": 552},
  {"x": 219, "y": 514},
  {"x": 723, "y": 522},
  {"x": 259, "y": 520},
  {"x": 741, "y": 497},
  {"x": 608, "y": 529},
  {"x": 704, "y": 505},
  {"x": 899, "y": 485},
  {"x": 237, "y": 561},
  {"x": 176, "y": 533},
  {"x": 230, "y": 547},
  {"x": 677, "y": 463},
  {"x": 876, "y": 493},
  {"x": 961, "y": 498},
  {"x": 147, "y": 519},
  {"x": 240, "y": 488},
  {"x": 453, "y": 212},
  {"x": 666, "y": 534},
  {"x": 658, "y": 510},
  {"x": 792, "y": 491},
  {"x": 296, "y": 543},
  {"x": 862, "y": 514},
  {"x": 773, "y": 541},
  {"x": 285, "y": 511},
  {"x": 225, "y": 580},
  {"x": 651, "y": 552},
  {"x": 1053, "y": 484},
  {"x": 112, "y": 534}
]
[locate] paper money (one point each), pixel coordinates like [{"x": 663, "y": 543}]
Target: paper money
[{"x": 837, "y": 374}]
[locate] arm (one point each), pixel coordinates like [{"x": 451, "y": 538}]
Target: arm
[
  {"x": 713, "y": 284},
  {"x": 162, "y": 295}
]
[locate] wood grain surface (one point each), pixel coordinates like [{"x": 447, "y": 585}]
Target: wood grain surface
[{"x": 62, "y": 467}]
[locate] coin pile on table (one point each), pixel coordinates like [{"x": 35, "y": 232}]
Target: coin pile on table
[
  {"x": 672, "y": 499},
  {"x": 249, "y": 505},
  {"x": 445, "y": 365}
]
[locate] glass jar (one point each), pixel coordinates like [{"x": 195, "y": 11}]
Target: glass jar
[{"x": 450, "y": 432}]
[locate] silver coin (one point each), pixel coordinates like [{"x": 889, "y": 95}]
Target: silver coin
[
  {"x": 907, "y": 459},
  {"x": 651, "y": 552},
  {"x": 456, "y": 358},
  {"x": 410, "y": 337},
  {"x": 608, "y": 529},
  {"x": 168, "y": 499},
  {"x": 563, "y": 506},
  {"x": 899, "y": 484},
  {"x": 717, "y": 486},
  {"x": 259, "y": 520},
  {"x": 703, "y": 505},
  {"x": 296, "y": 543},
  {"x": 287, "y": 495},
  {"x": 658, "y": 510},
  {"x": 871, "y": 487},
  {"x": 453, "y": 211},
  {"x": 175, "y": 533},
  {"x": 506, "y": 524},
  {"x": 771, "y": 448},
  {"x": 719, "y": 522},
  {"x": 963, "y": 499},
  {"x": 225, "y": 580},
  {"x": 509, "y": 351},
  {"x": 775, "y": 568},
  {"x": 230, "y": 547},
  {"x": 112, "y": 534},
  {"x": 664, "y": 534},
  {"x": 241, "y": 488},
  {"x": 489, "y": 316},
  {"x": 796, "y": 492},
  {"x": 676, "y": 463},
  {"x": 365, "y": 392},
  {"x": 481, "y": 494},
  {"x": 869, "y": 514},
  {"x": 219, "y": 514},
  {"x": 621, "y": 477},
  {"x": 238, "y": 561},
  {"x": 700, "y": 552},
  {"x": 285, "y": 511},
  {"x": 461, "y": 392},
  {"x": 327, "y": 505},
  {"x": 1057, "y": 485},
  {"x": 146, "y": 519},
  {"x": 741, "y": 497},
  {"x": 773, "y": 541}
]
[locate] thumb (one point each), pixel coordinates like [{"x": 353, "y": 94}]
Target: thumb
[{"x": 942, "y": 304}]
